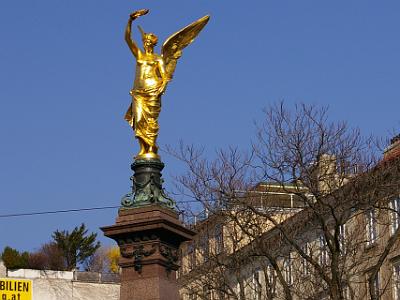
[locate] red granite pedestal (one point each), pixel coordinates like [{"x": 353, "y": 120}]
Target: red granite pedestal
[{"x": 149, "y": 239}]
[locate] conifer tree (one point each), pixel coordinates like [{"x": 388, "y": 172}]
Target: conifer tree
[
  {"x": 13, "y": 259},
  {"x": 76, "y": 246}
]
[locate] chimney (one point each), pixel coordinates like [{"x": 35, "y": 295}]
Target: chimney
[
  {"x": 326, "y": 173},
  {"x": 393, "y": 150}
]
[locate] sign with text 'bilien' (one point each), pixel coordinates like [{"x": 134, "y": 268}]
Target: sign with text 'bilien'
[{"x": 15, "y": 289}]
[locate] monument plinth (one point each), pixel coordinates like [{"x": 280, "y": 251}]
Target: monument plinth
[{"x": 149, "y": 238}]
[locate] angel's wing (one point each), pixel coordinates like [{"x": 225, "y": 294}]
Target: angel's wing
[{"x": 173, "y": 46}]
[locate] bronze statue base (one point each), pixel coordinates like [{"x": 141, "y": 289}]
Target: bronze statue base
[{"x": 147, "y": 185}]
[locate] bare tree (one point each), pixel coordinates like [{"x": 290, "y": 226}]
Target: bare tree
[
  {"x": 98, "y": 261},
  {"x": 48, "y": 257},
  {"x": 308, "y": 208},
  {"x": 104, "y": 260}
]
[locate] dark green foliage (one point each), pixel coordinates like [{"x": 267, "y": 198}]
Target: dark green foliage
[
  {"x": 13, "y": 259},
  {"x": 76, "y": 246}
]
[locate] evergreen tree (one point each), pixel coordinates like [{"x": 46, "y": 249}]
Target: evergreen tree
[
  {"x": 13, "y": 259},
  {"x": 76, "y": 246}
]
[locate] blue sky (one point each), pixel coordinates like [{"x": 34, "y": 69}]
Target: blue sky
[{"x": 66, "y": 72}]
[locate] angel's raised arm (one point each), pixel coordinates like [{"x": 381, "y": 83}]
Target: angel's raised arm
[{"x": 128, "y": 31}]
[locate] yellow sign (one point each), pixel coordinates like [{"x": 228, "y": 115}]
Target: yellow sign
[{"x": 15, "y": 289}]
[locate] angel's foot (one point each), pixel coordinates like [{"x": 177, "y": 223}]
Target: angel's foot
[
  {"x": 142, "y": 150},
  {"x": 153, "y": 149}
]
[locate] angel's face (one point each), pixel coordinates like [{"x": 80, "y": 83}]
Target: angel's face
[{"x": 149, "y": 42}]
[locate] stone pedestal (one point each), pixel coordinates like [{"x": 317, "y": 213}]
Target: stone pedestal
[{"x": 149, "y": 237}]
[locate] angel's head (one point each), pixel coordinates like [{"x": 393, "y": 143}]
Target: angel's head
[{"x": 149, "y": 40}]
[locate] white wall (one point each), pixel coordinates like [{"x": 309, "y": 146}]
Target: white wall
[
  {"x": 55, "y": 285},
  {"x": 45, "y": 274},
  {"x": 3, "y": 270},
  {"x": 61, "y": 289}
]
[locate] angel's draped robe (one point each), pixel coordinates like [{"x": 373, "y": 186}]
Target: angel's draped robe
[{"x": 145, "y": 108}]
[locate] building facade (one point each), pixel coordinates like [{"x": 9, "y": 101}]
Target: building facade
[{"x": 286, "y": 242}]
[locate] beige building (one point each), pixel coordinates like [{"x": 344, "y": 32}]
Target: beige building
[{"x": 284, "y": 242}]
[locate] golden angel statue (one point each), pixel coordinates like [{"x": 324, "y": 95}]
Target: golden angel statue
[{"x": 153, "y": 72}]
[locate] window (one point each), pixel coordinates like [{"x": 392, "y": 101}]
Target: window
[
  {"x": 239, "y": 287},
  {"x": 192, "y": 255},
  {"x": 394, "y": 205},
  {"x": 180, "y": 270},
  {"x": 396, "y": 281},
  {"x": 376, "y": 287},
  {"x": 346, "y": 292},
  {"x": 323, "y": 253},
  {"x": 372, "y": 233},
  {"x": 256, "y": 285},
  {"x": 219, "y": 293},
  {"x": 305, "y": 266},
  {"x": 206, "y": 293},
  {"x": 287, "y": 269},
  {"x": 192, "y": 296},
  {"x": 205, "y": 247},
  {"x": 342, "y": 238},
  {"x": 271, "y": 280},
  {"x": 218, "y": 239}
]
